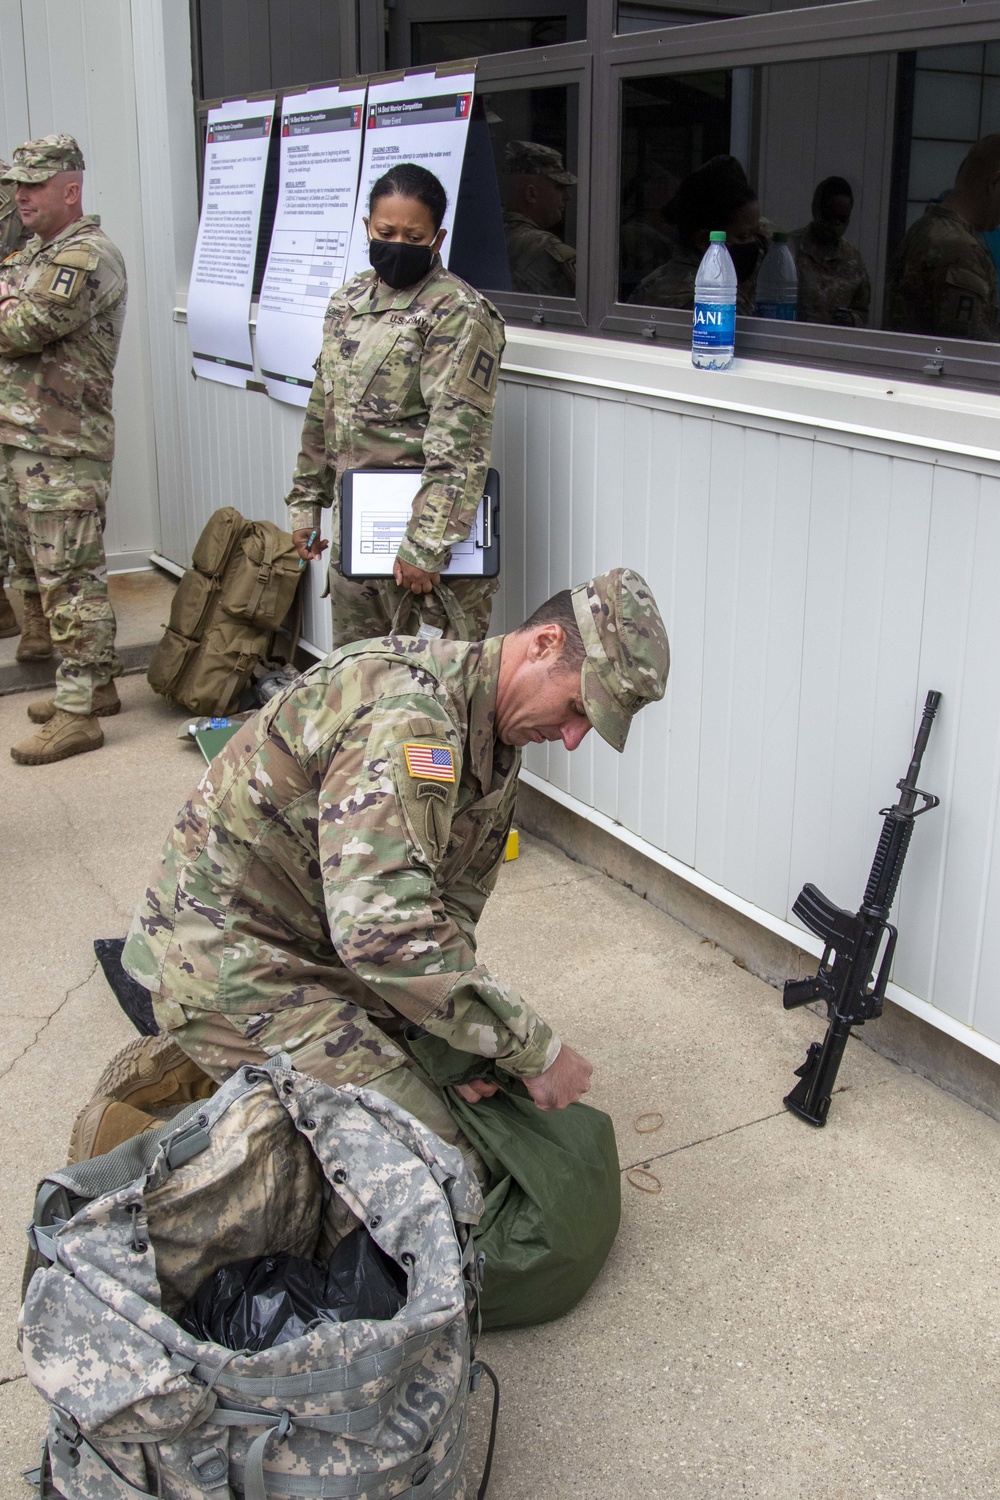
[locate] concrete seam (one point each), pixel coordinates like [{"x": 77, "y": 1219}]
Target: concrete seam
[
  {"x": 9, "y": 1379},
  {"x": 644, "y": 1161},
  {"x": 49, "y": 1019}
]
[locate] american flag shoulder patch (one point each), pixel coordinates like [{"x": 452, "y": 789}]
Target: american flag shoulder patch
[{"x": 430, "y": 762}]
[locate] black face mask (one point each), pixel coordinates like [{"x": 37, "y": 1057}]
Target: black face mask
[
  {"x": 399, "y": 264},
  {"x": 744, "y": 259}
]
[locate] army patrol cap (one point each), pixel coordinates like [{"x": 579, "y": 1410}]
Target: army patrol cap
[
  {"x": 628, "y": 656},
  {"x": 533, "y": 160},
  {"x": 37, "y": 161}
]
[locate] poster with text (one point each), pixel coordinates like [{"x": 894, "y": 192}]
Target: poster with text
[
  {"x": 218, "y": 309},
  {"x": 423, "y": 119},
  {"x": 321, "y": 133}
]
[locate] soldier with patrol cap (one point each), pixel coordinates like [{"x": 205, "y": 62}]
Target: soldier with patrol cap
[
  {"x": 536, "y": 191},
  {"x": 62, "y": 305},
  {"x": 322, "y": 888}
]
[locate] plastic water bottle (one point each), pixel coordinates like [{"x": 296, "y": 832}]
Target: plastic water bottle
[
  {"x": 713, "y": 333},
  {"x": 777, "y": 281}
]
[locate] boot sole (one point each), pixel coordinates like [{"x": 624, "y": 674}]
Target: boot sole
[
  {"x": 140, "y": 1064},
  {"x": 98, "y": 713},
  {"x": 24, "y": 656},
  {"x": 10, "y": 630},
  {"x": 48, "y": 758}
]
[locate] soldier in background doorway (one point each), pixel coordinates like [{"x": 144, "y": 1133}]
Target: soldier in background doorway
[
  {"x": 833, "y": 282},
  {"x": 943, "y": 281},
  {"x": 536, "y": 191}
]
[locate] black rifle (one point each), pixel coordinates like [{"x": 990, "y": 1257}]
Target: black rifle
[{"x": 846, "y": 979}]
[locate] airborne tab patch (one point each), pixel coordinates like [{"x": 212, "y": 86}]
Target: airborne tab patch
[{"x": 430, "y": 762}]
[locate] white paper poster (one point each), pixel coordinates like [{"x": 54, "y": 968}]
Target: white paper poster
[
  {"x": 321, "y": 135},
  {"x": 424, "y": 119},
  {"x": 218, "y": 310}
]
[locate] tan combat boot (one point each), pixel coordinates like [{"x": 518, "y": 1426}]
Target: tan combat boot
[
  {"x": 36, "y": 643},
  {"x": 64, "y": 734},
  {"x": 148, "y": 1081},
  {"x": 8, "y": 619},
  {"x": 105, "y": 703}
]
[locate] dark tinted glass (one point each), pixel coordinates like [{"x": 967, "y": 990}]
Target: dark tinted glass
[
  {"x": 246, "y": 46},
  {"x": 892, "y": 205},
  {"x": 634, "y": 15},
  {"x": 520, "y": 180},
  {"x": 447, "y": 41}
]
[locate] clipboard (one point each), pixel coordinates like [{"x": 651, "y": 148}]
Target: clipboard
[{"x": 375, "y": 508}]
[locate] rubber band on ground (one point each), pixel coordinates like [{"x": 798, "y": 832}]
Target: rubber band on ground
[
  {"x": 652, "y": 1184},
  {"x": 653, "y": 1115}
]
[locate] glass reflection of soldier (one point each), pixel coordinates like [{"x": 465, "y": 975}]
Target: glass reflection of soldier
[
  {"x": 716, "y": 196},
  {"x": 943, "y": 281},
  {"x": 536, "y": 191},
  {"x": 646, "y": 239},
  {"x": 833, "y": 282}
]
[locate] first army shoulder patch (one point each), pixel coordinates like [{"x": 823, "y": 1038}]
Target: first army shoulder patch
[
  {"x": 430, "y": 762},
  {"x": 62, "y": 282},
  {"x": 475, "y": 377}
]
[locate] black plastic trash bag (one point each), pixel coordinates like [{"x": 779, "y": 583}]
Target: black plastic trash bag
[
  {"x": 272, "y": 1299},
  {"x": 135, "y": 1001}
]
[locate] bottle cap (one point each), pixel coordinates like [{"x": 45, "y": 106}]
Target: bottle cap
[{"x": 717, "y": 237}]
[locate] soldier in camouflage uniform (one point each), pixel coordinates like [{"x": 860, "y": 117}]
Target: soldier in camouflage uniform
[
  {"x": 323, "y": 886},
  {"x": 942, "y": 281},
  {"x": 13, "y": 238},
  {"x": 406, "y": 378},
  {"x": 833, "y": 282},
  {"x": 536, "y": 191},
  {"x": 62, "y": 305}
]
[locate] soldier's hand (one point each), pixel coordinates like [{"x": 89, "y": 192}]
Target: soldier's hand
[
  {"x": 476, "y": 1090},
  {"x": 300, "y": 540},
  {"x": 414, "y": 579},
  {"x": 563, "y": 1083}
]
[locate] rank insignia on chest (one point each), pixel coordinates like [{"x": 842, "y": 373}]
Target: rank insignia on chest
[{"x": 430, "y": 762}]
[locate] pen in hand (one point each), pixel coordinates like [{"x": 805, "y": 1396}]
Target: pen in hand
[{"x": 309, "y": 545}]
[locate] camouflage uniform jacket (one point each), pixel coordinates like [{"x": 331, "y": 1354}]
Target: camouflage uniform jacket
[
  {"x": 540, "y": 262},
  {"x": 314, "y": 860},
  {"x": 59, "y": 341},
  {"x": 672, "y": 284},
  {"x": 943, "y": 281},
  {"x": 830, "y": 276},
  {"x": 404, "y": 379}
]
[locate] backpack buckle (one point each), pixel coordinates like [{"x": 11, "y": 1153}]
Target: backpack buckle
[
  {"x": 211, "y": 1468},
  {"x": 63, "y": 1444},
  {"x": 188, "y": 1142}
]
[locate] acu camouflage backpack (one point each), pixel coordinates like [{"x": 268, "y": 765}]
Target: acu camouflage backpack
[
  {"x": 275, "y": 1161},
  {"x": 243, "y": 582}
]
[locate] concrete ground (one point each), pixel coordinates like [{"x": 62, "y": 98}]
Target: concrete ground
[{"x": 794, "y": 1313}]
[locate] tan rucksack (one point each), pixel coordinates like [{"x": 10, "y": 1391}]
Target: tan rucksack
[{"x": 243, "y": 582}]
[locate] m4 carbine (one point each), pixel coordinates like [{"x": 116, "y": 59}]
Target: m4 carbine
[{"x": 857, "y": 943}]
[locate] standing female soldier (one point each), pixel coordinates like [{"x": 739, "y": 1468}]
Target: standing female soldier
[{"x": 406, "y": 378}]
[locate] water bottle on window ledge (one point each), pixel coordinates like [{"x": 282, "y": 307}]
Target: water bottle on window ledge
[
  {"x": 777, "y": 281},
  {"x": 713, "y": 333}
]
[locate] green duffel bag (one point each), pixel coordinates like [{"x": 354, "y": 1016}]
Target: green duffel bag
[{"x": 554, "y": 1208}]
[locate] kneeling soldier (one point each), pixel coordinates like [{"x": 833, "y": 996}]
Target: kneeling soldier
[{"x": 322, "y": 888}]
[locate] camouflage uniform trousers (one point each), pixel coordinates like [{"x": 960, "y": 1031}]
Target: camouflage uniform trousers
[
  {"x": 365, "y": 609},
  {"x": 332, "y": 1040},
  {"x": 58, "y": 507}
]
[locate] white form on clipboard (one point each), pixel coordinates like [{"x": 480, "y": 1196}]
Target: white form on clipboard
[{"x": 375, "y": 507}]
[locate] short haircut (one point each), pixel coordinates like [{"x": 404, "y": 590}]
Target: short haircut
[
  {"x": 830, "y": 187},
  {"x": 408, "y": 180},
  {"x": 559, "y": 611},
  {"x": 709, "y": 198}
]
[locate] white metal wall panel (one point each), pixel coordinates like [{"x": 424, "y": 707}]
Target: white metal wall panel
[
  {"x": 813, "y": 592},
  {"x": 66, "y": 65}
]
